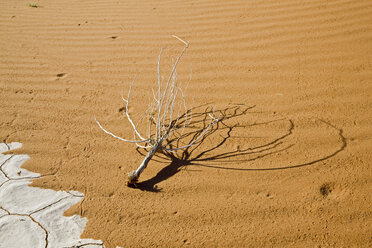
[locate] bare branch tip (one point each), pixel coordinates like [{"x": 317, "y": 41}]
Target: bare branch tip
[{"x": 178, "y": 38}]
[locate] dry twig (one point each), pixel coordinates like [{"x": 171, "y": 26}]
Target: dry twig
[{"x": 163, "y": 121}]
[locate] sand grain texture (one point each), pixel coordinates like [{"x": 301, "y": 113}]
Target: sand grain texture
[{"x": 288, "y": 167}]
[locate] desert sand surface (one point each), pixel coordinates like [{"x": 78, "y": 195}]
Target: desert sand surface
[{"x": 289, "y": 164}]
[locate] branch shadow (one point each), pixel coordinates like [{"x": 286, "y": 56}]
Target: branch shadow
[{"x": 197, "y": 156}]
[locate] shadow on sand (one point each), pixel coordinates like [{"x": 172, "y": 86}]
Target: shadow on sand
[{"x": 197, "y": 156}]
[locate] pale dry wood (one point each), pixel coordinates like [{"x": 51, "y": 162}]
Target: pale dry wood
[{"x": 160, "y": 114}]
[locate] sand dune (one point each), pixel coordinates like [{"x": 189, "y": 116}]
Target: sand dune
[{"x": 296, "y": 170}]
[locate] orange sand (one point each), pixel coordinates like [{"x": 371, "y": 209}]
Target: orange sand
[{"x": 289, "y": 168}]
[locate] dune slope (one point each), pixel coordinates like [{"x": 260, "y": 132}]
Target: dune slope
[{"x": 288, "y": 167}]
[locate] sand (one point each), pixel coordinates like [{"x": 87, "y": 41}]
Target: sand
[{"x": 290, "y": 165}]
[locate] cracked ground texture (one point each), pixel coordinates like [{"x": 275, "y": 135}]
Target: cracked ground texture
[{"x": 33, "y": 217}]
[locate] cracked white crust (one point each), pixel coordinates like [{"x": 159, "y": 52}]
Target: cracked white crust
[{"x": 33, "y": 217}]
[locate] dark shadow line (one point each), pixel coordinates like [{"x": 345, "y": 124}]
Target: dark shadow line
[
  {"x": 185, "y": 158},
  {"x": 242, "y": 152},
  {"x": 342, "y": 147}
]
